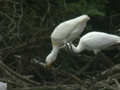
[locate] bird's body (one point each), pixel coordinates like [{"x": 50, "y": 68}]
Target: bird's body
[
  {"x": 64, "y": 33},
  {"x": 69, "y": 30},
  {"x": 96, "y": 41}
]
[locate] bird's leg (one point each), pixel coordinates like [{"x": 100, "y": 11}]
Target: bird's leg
[
  {"x": 69, "y": 47},
  {"x": 107, "y": 60},
  {"x": 66, "y": 46}
]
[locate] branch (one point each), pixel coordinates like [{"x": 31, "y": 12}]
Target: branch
[
  {"x": 117, "y": 83},
  {"x": 13, "y": 74},
  {"x": 11, "y": 82},
  {"x": 47, "y": 12}
]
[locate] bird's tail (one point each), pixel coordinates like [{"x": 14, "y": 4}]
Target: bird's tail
[{"x": 118, "y": 39}]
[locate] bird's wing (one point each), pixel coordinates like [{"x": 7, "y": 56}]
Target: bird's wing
[
  {"x": 68, "y": 30},
  {"x": 99, "y": 41},
  {"x": 62, "y": 31}
]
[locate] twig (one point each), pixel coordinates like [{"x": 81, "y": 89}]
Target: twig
[
  {"x": 47, "y": 12},
  {"x": 68, "y": 74},
  {"x": 112, "y": 70},
  {"x": 12, "y": 25},
  {"x": 55, "y": 87},
  {"x": 18, "y": 76},
  {"x": 116, "y": 75},
  {"x": 117, "y": 83},
  {"x": 11, "y": 82},
  {"x": 65, "y": 5},
  {"x": 103, "y": 84}
]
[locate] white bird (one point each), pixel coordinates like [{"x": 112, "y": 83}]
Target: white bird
[
  {"x": 64, "y": 33},
  {"x": 95, "y": 41}
]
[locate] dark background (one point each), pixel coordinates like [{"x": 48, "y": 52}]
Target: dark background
[{"x": 26, "y": 25}]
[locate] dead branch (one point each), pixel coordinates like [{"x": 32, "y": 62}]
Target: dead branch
[
  {"x": 13, "y": 74},
  {"x": 112, "y": 70},
  {"x": 55, "y": 87},
  {"x": 115, "y": 76},
  {"x": 11, "y": 82},
  {"x": 117, "y": 83},
  {"x": 47, "y": 12},
  {"x": 74, "y": 77},
  {"x": 103, "y": 84},
  {"x": 7, "y": 16}
]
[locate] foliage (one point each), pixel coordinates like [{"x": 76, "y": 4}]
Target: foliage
[{"x": 89, "y": 7}]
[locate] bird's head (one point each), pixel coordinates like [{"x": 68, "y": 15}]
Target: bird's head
[
  {"x": 46, "y": 66},
  {"x": 50, "y": 59}
]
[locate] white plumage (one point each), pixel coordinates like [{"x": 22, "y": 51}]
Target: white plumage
[
  {"x": 95, "y": 41},
  {"x": 3, "y": 86},
  {"x": 64, "y": 33}
]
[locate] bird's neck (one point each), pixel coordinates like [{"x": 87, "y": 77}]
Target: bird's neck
[
  {"x": 52, "y": 56},
  {"x": 55, "y": 51},
  {"x": 77, "y": 49}
]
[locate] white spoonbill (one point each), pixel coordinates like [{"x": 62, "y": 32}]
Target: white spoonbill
[
  {"x": 95, "y": 41},
  {"x": 64, "y": 33}
]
